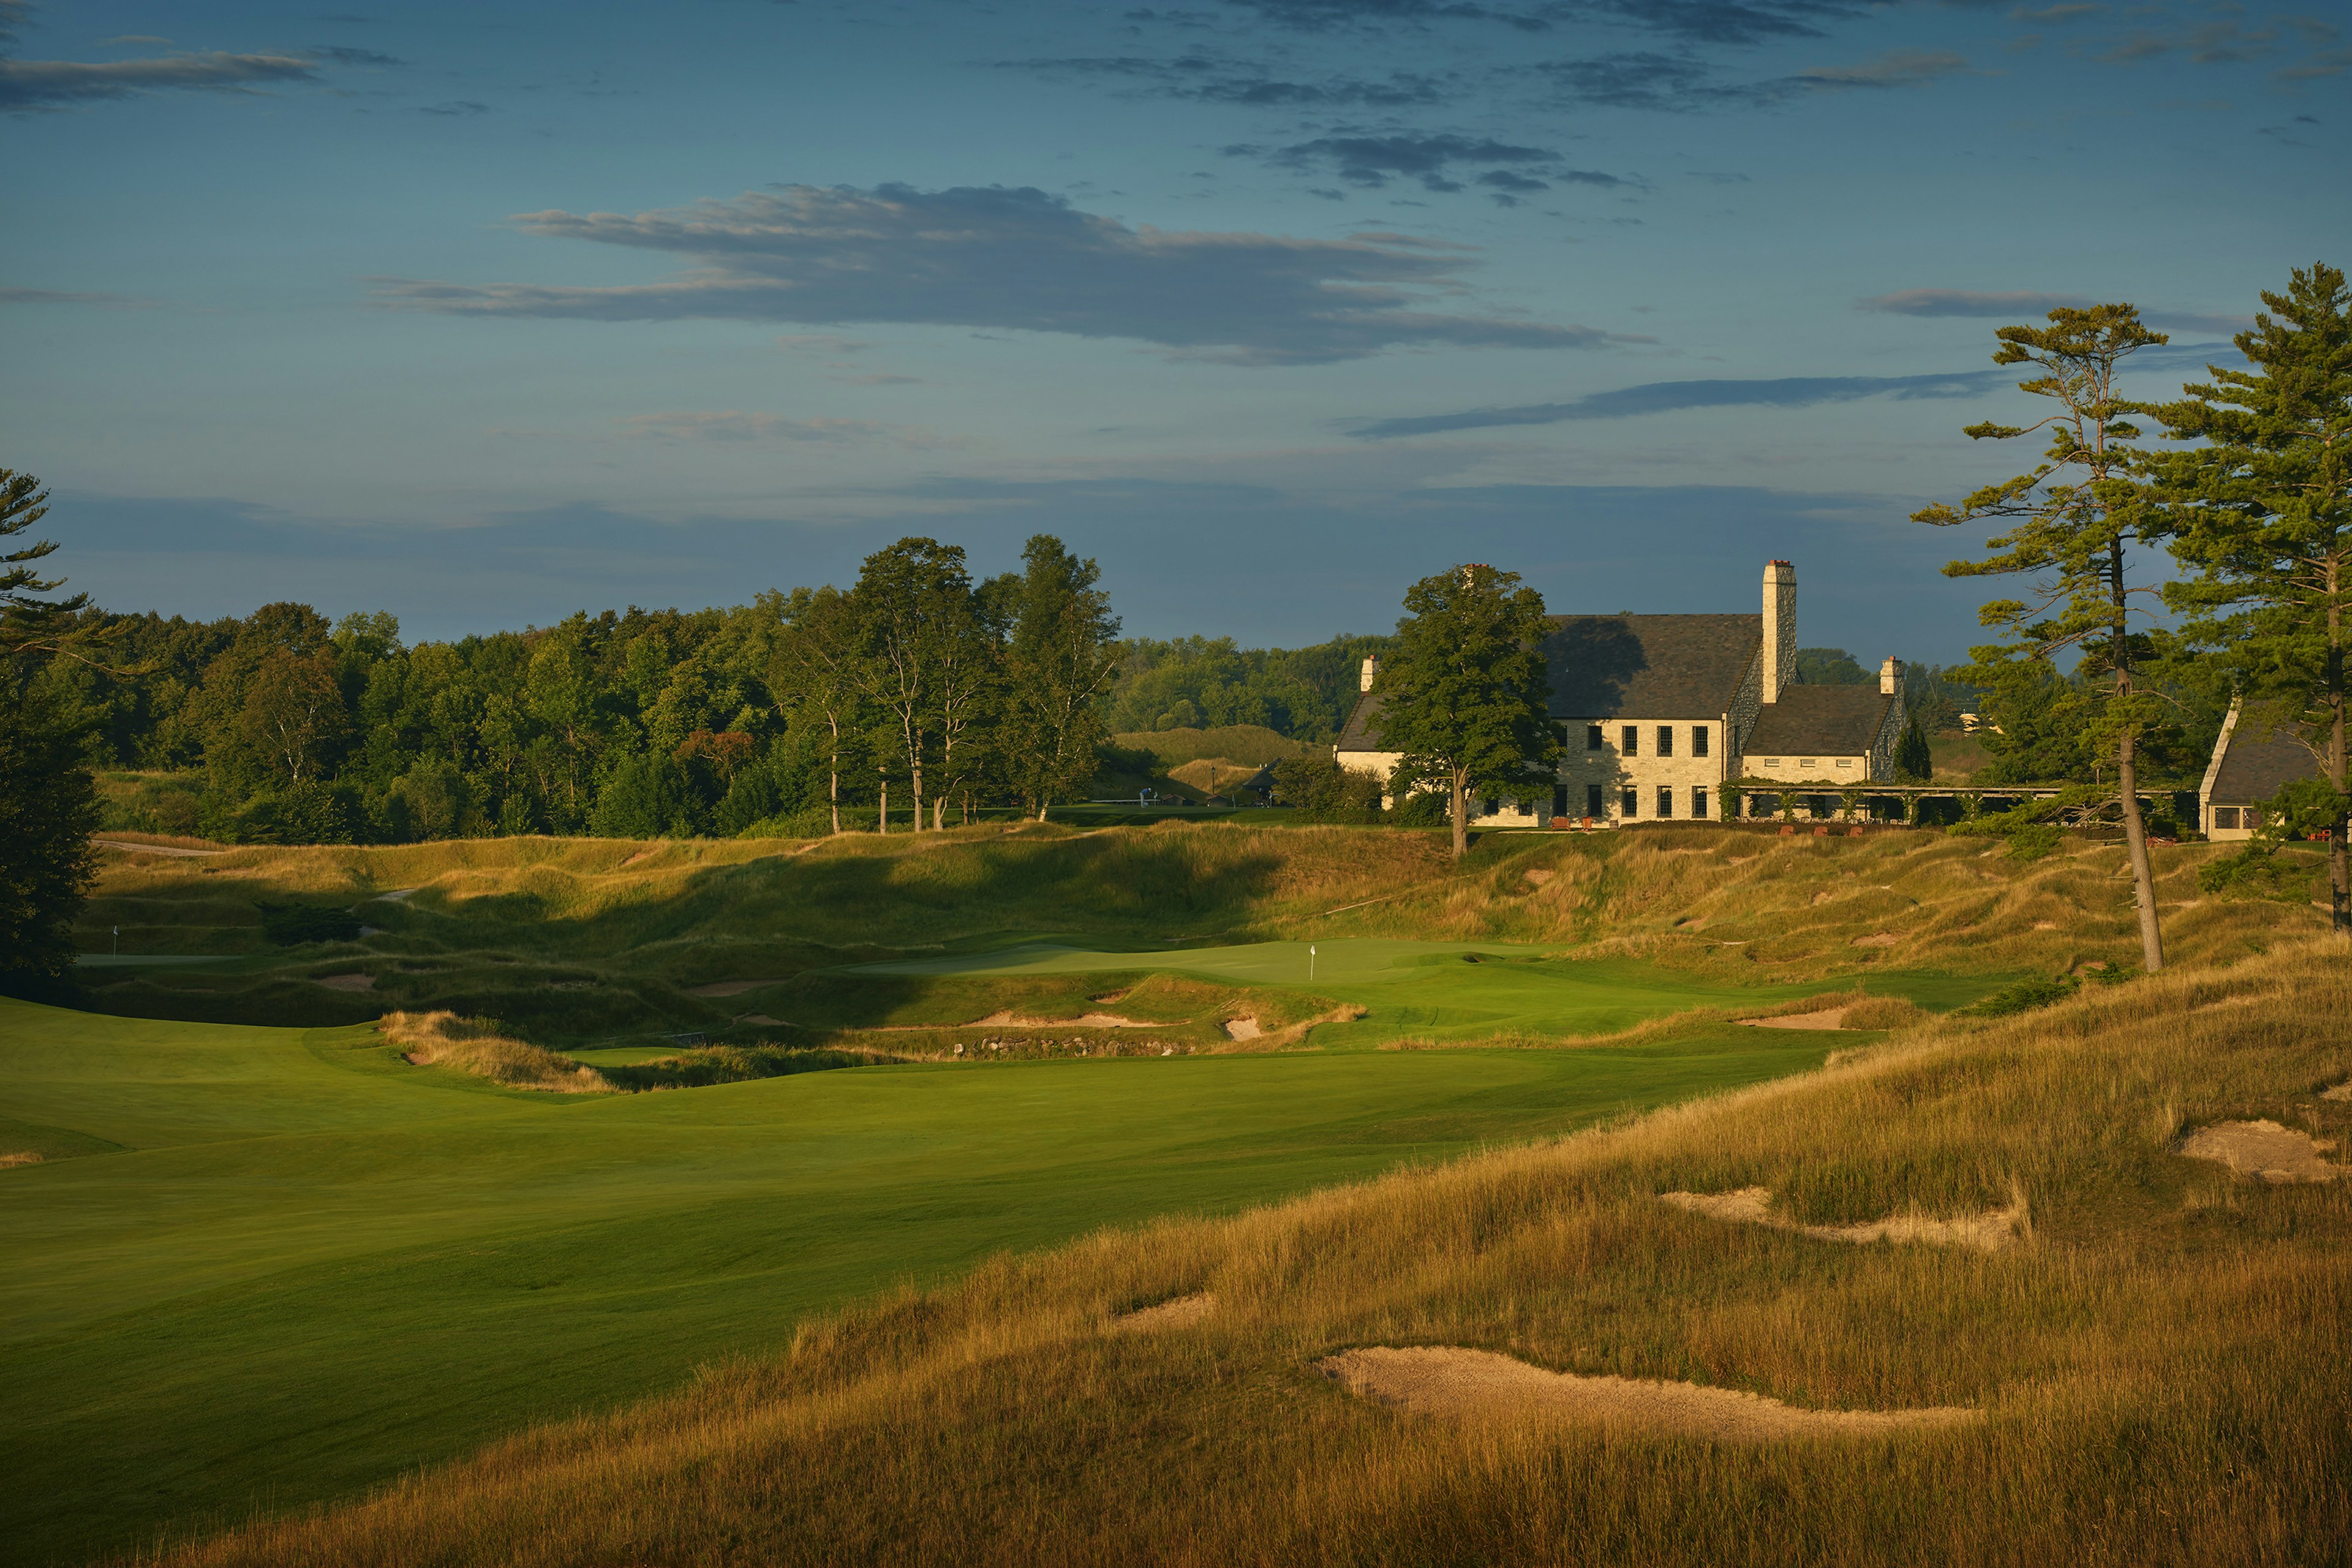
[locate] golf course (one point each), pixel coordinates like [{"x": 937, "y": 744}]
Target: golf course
[{"x": 261, "y": 1266}]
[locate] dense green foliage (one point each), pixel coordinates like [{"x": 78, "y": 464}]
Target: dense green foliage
[
  {"x": 2261, "y": 515},
  {"x": 1305, "y": 693},
  {"x": 47, "y": 806},
  {"x": 1465, "y": 699},
  {"x": 1913, "y": 759}
]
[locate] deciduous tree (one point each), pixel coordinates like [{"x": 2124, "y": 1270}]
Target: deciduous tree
[
  {"x": 2262, "y": 514},
  {"x": 1060, "y": 663},
  {"x": 1465, "y": 697},
  {"x": 2072, "y": 521}
]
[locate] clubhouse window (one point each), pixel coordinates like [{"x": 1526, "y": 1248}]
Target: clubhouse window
[
  {"x": 1630, "y": 741},
  {"x": 1769, "y": 762},
  {"x": 1665, "y": 740},
  {"x": 1845, "y": 762},
  {"x": 1698, "y": 739},
  {"x": 1665, "y": 800},
  {"x": 2225, "y": 816},
  {"x": 1593, "y": 741},
  {"x": 1632, "y": 803},
  {"x": 1698, "y": 796},
  {"x": 1593, "y": 798}
]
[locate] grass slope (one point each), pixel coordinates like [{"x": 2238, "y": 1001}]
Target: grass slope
[
  {"x": 601, "y": 942},
  {"x": 2162, "y": 1364},
  {"x": 261, "y": 1267}
]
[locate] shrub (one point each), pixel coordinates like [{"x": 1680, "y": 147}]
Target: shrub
[{"x": 2022, "y": 997}]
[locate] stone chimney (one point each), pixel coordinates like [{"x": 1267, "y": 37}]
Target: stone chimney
[
  {"x": 1890, "y": 677},
  {"x": 1779, "y": 628},
  {"x": 1371, "y": 668}
]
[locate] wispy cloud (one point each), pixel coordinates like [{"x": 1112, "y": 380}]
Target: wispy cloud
[
  {"x": 9, "y": 295},
  {"x": 1684, "y": 83},
  {"x": 730, "y": 425},
  {"x": 30, "y": 86},
  {"x": 1771, "y": 392},
  {"x": 1665, "y": 396},
  {"x": 2020, "y": 303},
  {"x": 993, "y": 257},
  {"x": 1440, "y": 163},
  {"x": 1898, "y": 68},
  {"x": 1207, "y": 78}
]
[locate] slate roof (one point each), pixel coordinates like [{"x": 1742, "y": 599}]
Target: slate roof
[
  {"x": 2259, "y": 764},
  {"x": 1820, "y": 720},
  {"x": 1356, "y": 735},
  {"x": 1634, "y": 667},
  {"x": 1650, "y": 667}
]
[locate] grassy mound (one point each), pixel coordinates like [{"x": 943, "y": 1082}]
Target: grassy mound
[
  {"x": 444, "y": 1040},
  {"x": 2160, "y": 1363},
  {"x": 585, "y": 942}
]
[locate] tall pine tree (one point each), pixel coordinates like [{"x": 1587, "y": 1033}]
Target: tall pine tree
[
  {"x": 2261, "y": 513},
  {"x": 2070, "y": 521}
]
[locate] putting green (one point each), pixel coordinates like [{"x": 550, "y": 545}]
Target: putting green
[
  {"x": 1439, "y": 990},
  {"x": 262, "y": 1267}
]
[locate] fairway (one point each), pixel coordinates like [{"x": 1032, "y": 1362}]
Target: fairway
[
  {"x": 1440, "y": 991},
  {"x": 269, "y": 1266}
]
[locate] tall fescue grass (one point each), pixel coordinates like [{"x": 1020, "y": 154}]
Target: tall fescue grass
[
  {"x": 2163, "y": 1363},
  {"x": 444, "y": 1039}
]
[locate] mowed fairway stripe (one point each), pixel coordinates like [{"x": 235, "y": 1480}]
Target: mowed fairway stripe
[{"x": 312, "y": 1266}]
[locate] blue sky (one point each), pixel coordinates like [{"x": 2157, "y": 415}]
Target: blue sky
[{"x": 482, "y": 313}]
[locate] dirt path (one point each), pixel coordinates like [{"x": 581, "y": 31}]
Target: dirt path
[{"x": 1449, "y": 1381}]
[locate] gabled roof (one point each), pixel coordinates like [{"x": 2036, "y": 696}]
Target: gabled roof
[
  {"x": 1357, "y": 736},
  {"x": 2258, "y": 760},
  {"x": 1649, "y": 666},
  {"x": 1820, "y": 720}
]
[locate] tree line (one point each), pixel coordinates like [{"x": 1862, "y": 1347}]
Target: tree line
[{"x": 786, "y": 714}]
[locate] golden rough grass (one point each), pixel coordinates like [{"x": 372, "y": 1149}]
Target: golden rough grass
[
  {"x": 2161, "y": 1368},
  {"x": 444, "y": 1039}
]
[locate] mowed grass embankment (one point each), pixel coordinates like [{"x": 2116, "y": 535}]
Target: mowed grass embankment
[
  {"x": 2159, "y": 1364},
  {"x": 259, "y": 1267},
  {"x": 609, "y": 943}
]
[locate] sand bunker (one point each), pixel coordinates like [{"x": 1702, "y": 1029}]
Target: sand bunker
[
  {"x": 648, "y": 853},
  {"x": 731, "y": 987},
  {"x": 1084, "y": 1020},
  {"x": 1827, "y": 1019},
  {"x": 1988, "y": 1232},
  {"x": 764, "y": 1018},
  {"x": 1242, "y": 1029},
  {"x": 348, "y": 981},
  {"x": 2263, "y": 1150},
  {"x": 1182, "y": 1312},
  {"x": 2341, "y": 1091},
  {"x": 25, "y": 1157},
  {"x": 1451, "y": 1382},
  {"x": 1879, "y": 939},
  {"x": 397, "y": 896}
]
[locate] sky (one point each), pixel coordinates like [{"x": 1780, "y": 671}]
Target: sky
[{"x": 484, "y": 313}]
